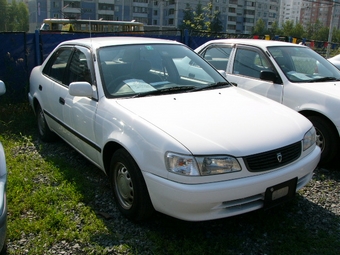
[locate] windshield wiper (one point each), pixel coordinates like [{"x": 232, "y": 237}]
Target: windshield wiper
[
  {"x": 214, "y": 85},
  {"x": 165, "y": 91},
  {"x": 325, "y": 79}
]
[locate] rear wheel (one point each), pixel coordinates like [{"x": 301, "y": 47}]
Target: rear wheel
[
  {"x": 129, "y": 187},
  {"x": 326, "y": 138},
  {"x": 44, "y": 131}
]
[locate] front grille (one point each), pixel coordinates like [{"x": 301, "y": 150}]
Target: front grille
[{"x": 269, "y": 160}]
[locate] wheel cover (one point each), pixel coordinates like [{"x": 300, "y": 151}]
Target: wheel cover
[
  {"x": 320, "y": 141},
  {"x": 124, "y": 186},
  {"x": 41, "y": 123}
]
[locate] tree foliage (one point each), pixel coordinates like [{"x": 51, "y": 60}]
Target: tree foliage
[
  {"x": 13, "y": 16},
  {"x": 187, "y": 19},
  {"x": 314, "y": 31},
  {"x": 203, "y": 18}
]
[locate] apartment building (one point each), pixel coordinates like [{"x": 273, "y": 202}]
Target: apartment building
[
  {"x": 237, "y": 16},
  {"x": 290, "y": 11},
  {"x": 326, "y": 12}
]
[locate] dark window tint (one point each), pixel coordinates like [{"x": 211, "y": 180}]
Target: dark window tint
[
  {"x": 56, "y": 66},
  {"x": 78, "y": 69}
]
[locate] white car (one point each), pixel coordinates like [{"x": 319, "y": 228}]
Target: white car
[
  {"x": 3, "y": 189},
  {"x": 195, "y": 149},
  {"x": 291, "y": 74},
  {"x": 335, "y": 61}
]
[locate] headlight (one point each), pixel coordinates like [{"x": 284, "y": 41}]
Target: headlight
[
  {"x": 205, "y": 165},
  {"x": 309, "y": 138},
  {"x": 181, "y": 164}
]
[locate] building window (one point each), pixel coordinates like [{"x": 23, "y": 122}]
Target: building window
[
  {"x": 105, "y": 6},
  {"x": 171, "y": 21},
  {"x": 71, "y": 4},
  {"x": 105, "y": 17}
]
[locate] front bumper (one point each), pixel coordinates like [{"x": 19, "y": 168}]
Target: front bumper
[{"x": 199, "y": 202}]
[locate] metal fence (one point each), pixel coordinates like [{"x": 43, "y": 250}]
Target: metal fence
[{"x": 20, "y": 52}]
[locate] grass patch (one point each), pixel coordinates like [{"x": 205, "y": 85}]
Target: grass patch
[{"x": 53, "y": 197}]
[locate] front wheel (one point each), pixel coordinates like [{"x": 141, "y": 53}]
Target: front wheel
[
  {"x": 326, "y": 138},
  {"x": 129, "y": 188}
]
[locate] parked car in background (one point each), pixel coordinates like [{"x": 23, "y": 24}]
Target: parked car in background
[
  {"x": 3, "y": 188},
  {"x": 335, "y": 60},
  {"x": 291, "y": 74},
  {"x": 195, "y": 149}
]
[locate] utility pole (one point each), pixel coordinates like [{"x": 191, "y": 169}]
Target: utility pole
[{"x": 330, "y": 34}]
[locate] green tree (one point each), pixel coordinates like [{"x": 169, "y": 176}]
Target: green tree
[
  {"x": 199, "y": 17},
  {"x": 260, "y": 27},
  {"x": 212, "y": 19},
  {"x": 322, "y": 34},
  {"x": 313, "y": 29},
  {"x": 12, "y": 17},
  {"x": 23, "y": 17},
  {"x": 3, "y": 15},
  {"x": 188, "y": 18},
  {"x": 287, "y": 28},
  {"x": 274, "y": 30},
  {"x": 297, "y": 31},
  {"x": 216, "y": 23}
]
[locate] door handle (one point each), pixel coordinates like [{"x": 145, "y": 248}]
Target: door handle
[{"x": 61, "y": 100}]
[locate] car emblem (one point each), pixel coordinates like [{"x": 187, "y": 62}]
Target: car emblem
[{"x": 279, "y": 157}]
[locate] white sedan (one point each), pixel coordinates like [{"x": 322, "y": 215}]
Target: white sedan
[
  {"x": 195, "y": 149},
  {"x": 291, "y": 74}
]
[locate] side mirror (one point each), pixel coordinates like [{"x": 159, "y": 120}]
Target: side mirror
[
  {"x": 80, "y": 89},
  {"x": 2, "y": 88},
  {"x": 224, "y": 74},
  {"x": 268, "y": 75}
]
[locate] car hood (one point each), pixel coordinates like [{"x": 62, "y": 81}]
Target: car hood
[
  {"x": 329, "y": 88},
  {"x": 224, "y": 121}
]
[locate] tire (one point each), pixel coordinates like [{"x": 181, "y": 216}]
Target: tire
[
  {"x": 129, "y": 188},
  {"x": 326, "y": 138},
  {"x": 44, "y": 132}
]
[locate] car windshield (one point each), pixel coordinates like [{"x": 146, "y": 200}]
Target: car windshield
[
  {"x": 154, "y": 69},
  {"x": 302, "y": 64}
]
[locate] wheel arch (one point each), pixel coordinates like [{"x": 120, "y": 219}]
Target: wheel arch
[
  {"x": 36, "y": 103},
  {"x": 308, "y": 113},
  {"x": 108, "y": 150}
]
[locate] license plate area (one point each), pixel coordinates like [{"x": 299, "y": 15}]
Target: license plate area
[{"x": 280, "y": 193}]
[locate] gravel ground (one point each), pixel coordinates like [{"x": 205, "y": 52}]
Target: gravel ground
[{"x": 317, "y": 205}]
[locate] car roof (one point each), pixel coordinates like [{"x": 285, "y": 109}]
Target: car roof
[
  {"x": 255, "y": 42},
  {"x": 98, "y": 42}
]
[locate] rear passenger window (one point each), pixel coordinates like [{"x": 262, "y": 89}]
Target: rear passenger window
[{"x": 55, "y": 68}]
